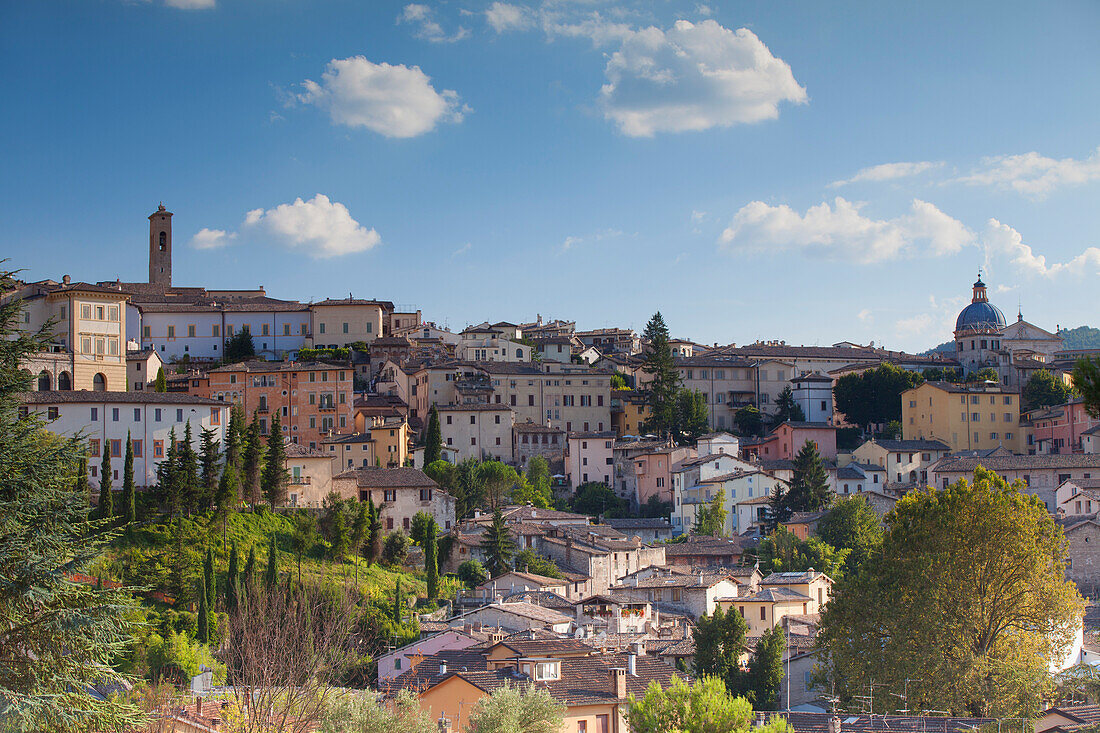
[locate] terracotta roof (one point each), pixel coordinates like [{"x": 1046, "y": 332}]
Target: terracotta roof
[
  {"x": 279, "y": 366},
  {"x": 530, "y": 577},
  {"x": 1019, "y": 463},
  {"x": 474, "y": 407},
  {"x": 386, "y": 305},
  {"x": 819, "y": 723},
  {"x": 389, "y": 478},
  {"x": 704, "y": 545},
  {"x": 638, "y": 523},
  {"x": 912, "y": 445},
  {"x": 55, "y": 397},
  {"x": 545, "y": 647}
]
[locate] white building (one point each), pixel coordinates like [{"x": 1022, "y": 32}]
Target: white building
[
  {"x": 104, "y": 418},
  {"x": 590, "y": 457},
  {"x": 813, "y": 392},
  {"x": 478, "y": 430},
  {"x": 199, "y": 329}
]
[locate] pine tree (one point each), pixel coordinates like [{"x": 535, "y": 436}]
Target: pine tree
[
  {"x": 498, "y": 545},
  {"x": 168, "y": 478},
  {"x": 188, "y": 469},
  {"x": 271, "y": 574},
  {"x": 786, "y": 408},
  {"x": 397, "y": 600},
  {"x": 339, "y": 537},
  {"x": 227, "y": 497},
  {"x": 431, "y": 562},
  {"x": 248, "y": 577},
  {"x": 106, "y": 507},
  {"x": 128, "y": 510},
  {"x": 202, "y": 622},
  {"x": 210, "y": 470},
  {"x": 765, "y": 674},
  {"x": 433, "y": 443},
  {"x": 273, "y": 479},
  {"x": 58, "y": 636},
  {"x": 161, "y": 383},
  {"x": 209, "y": 578},
  {"x": 809, "y": 490},
  {"x": 234, "y": 435},
  {"x": 374, "y": 544},
  {"x": 252, "y": 461},
  {"x": 81, "y": 487},
  {"x": 232, "y": 580},
  {"x": 664, "y": 383},
  {"x": 360, "y": 528}
]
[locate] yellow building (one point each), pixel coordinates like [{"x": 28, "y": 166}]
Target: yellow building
[
  {"x": 974, "y": 416},
  {"x": 628, "y": 412},
  {"x": 781, "y": 595},
  {"x": 339, "y": 322},
  {"x": 391, "y": 441}
]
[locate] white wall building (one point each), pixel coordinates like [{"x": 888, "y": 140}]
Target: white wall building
[
  {"x": 478, "y": 430},
  {"x": 813, "y": 392},
  {"x": 590, "y": 457}
]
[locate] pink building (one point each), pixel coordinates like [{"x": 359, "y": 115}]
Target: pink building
[
  {"x": 787, "y": 439},
  {"x": 1058, "y": 429},
  {"x": 394, "y": 663},
  {"x": 653, "y": 472},
  {"x": 590, "y": 457}
]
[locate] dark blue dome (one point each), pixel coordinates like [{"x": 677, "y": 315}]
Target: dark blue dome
[{"x": 980, "y": 315}]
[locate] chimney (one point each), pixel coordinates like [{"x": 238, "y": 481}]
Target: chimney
[
  {"x": 198, "y": 705},
  {"x": 618, "y": 682},
  {"x": 834, "y": 724},
  {"x": 443, "y": 667},
  {"x": 638, "y": 647},
  {"x": 66, "y": 280},
  {"x": 632, "y": 663}
]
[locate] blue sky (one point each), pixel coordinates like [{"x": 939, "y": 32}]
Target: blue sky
[{"x": 807, "y": 171}]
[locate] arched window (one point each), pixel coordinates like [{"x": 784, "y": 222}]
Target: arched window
[
  {"x": 43, "y": 381},
  {"x": 64, "y": 381},
  {"x": 99, "y": 382},
  {"x": 519, "y": 353},
  {"x": 163, "y": 240}
]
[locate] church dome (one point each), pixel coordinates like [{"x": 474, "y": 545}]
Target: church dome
[{"x": 980, "y": 314}]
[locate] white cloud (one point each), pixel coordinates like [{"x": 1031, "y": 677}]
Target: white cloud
[
  {"x": 392, "y": 100},
  {"x": 914, "y": 325},
  {"x": 572, "y": 241},
  {"x": 694, "y": 76},
  {"x": 889, "y": 172},
  {"x": 190, "y": 4},
  {"x": 427, "y": 27},
  {"x": 212, "y": 238},
  {"x": 697, "y": 216},
  {"x": 593, "y": 26},
  {"x": 1001, "y": 239},
  {"x": 703, "y": 10},
  {"x": 320, "y": 227},
  {"x": 462, "y": 250},
  {"x": 841, "y": 232},
  {"x": 503, "y": 17},
  {"x": 865, "y": 316},
  {"x": 1033, "y": 174}
]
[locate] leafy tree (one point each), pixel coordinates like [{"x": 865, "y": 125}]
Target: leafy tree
[
  {"x": 177, "y": 650},
  {"x": 360, "y": 527},
  {"x": 1086, "y": 380},
  {"x": 468, "y": 488},
  {"x": 765, "y": 673},
  {"x": 271, "y": 574},
  {"x": 655, "y": 508},
  {"x": 787, "y": 408},
  {"x": 597, "y": 499},
  {"x": 56, "y": 635},
  {"x": 782, "y": 551},
  {"x": 497, "y": 478},
  {"x": 525, "y": 493},
  {"x": 396, "y": 549},
  {"x": 106, "y": 508},
  {"x": 719, "y": 642},
  {"x": 968, "y": 594},
  {"x": 1044, "y": 390},
  {"x": 421, "y": 522},
  {"x": 498, "y": 545},
  {"x": 749, "y": 421},
  {"x": 873, "y": 396},
  {"x": 232, "y": 580},
  {"x": 433, "y": 441},
  {"x": 538, "y": 476},
  {"x": 161, "y": 383},
  {"x": 851, "y": 524},
  {"x": 618, "y": 381},
  {"x": 209, "y": 466},
  {"x": 892, "y": 431},
  {"x": 442, "y": 473},
  {"x": 363, "y": 712},
  {"x": 703, "y": 706},
  {"x": 188, "y": 470},
  {"x": 516, "y": 709},
  {"x": 472, "y": 573},
  {"x": 252, "y": 461},
  {"x": 987, "y": 374},
  {"x": 128, "y": 510},
  {"x": 527, "y": 560},
  {"x": 239, "y": 347},
  {"x": 431, "y": 561},
  {"x": 341, "y": 538},
  {"x": 274, "y": 477},
  {"x": 710, "y": 519},
  {"x": 691, "y": 416},
  {"x": 660, "y": 392},
  {"x": 303, "y": 537}
]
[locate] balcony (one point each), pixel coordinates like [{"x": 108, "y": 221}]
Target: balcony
[{"x": 301, "y": 480}]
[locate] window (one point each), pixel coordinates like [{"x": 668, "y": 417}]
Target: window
[
  {"x": 51, "y": 413},
  {"x": 215, "y": 415},
  {"x": 191, "y": 330},
  {"x": 286, "y": 329},
  {"x": 137, "y": 448},
  {"x": 114, "y": 414},
  {"x": 156, "y": 414},
  {"x": 321, "y": 328},
  {"x": 763, "y": 613},
  {"x": 473, "y": 419},
  {"x": 389, "y": 495},
  {"x": 137, "y": 414},
  {"x": 95, "y": 414},
  {"x": 116, "y": 449},
  {"x": 171, "y": 332},
  {"x": 179, "y": 415}
]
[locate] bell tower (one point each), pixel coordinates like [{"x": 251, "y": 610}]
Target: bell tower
[{"x": 160, "y": 247}]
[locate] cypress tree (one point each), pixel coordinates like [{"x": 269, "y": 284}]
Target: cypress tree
[
  {"x": 271, "y": 574},
  {"x": 128, "y": 510},
  {"x": 374, "y": 545},
  {"x": 233, "y": 436},
  {"x": 396, "y": 616},
  {"x": 106, "y": 497},
  {"x": 168, "y": 478},
  {"x": 227, "y": 495},
  {"x": 232, "y": 580},
  {"x": 80, "y": 488},
  {"x": 273, "y": 478},
  {"x": 360, "y": 528},
  {"x": 202, "y": 623},
  {"x": 431, "y": 561},
  {"x": 249, "y": 574},
  {"x": 189, "y": 472},
  {"x": 252, "y": 461},
  {"x": 433, "y": 444},
  {"x": 161, "y": 383},
  {"x": 209, "y": 578},
  {"x": 209, "y": 473}
]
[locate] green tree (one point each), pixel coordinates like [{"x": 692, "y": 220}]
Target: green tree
[
  {"x": 719, "y": 642},
  {"x": 786, "y": 408},
  {"x": 161, "y": 383},
  {"x": 498, "y": 545},
  {"x": 538, "y": 477},
  {"x": 433, "y": 441},
  {"x": 341, "y": 538},
  {"x": 176, "y": 650},
  {"x": 749, "y": 421},
  {"x": 472, "y": 573},
  {"x": 987, "y": 374},
  {"x": 873, "y": 396},
  {"x": 442, "y": 473},
  {"x": 968, "y": 595},
  {"x": 209, "y": 466},
  {"x": 469, "y": 487},
  {"x": 703, "y": 706},
  {"x": 516, "y": 709},
  {"x": 691, "y": 416},
  {"x": 396, "y": 549},
  {"x": 363, "y": 712},
  {"x": 232, "y": 580},
  {"x": 209, "y": 578},
  {"x": 660, "y": 391},
  {"x": 106, "y": 508},
  {"x": 1086, "y": 380},
  {"x": 234, "y": 436},
  {"x": 497, "y": 478},
  {"x": 710, "y": 518},
  {"x": 360, "y": 528},
  {"x": 128, "y": 510},
  {"x": 271, "y": 574},
  {"x": 248, "y": 575},
  {"x": 655, "y": 508},
  {"x": 81, "y": 487},
  {"x": 188, "y": 471},
  {"x": 274, "y": 477},
  {"x": 431, "y": 562},
  {"x": 851, "y": 524},
  {"x": 618, "y": 381},
  {"x": 893, "y": 430},
  {"x": 56, "y": 635},
  {"x": 765, "y": 675},
  {"x": 239, "y": 347},
  {"x": 398, "y": 603},
  {"x": 1043, "y": 389},
  {"x": 421, "y": 522},
  {"x": 252, "y": 461},
  {"x": 782, "y": 551},
  {"x": 227, "y": 496},
  {"x": 530, "y": 562},
  {"x": 303, "y": 537},
  {"x": 596, "y": 499},
  {"x": 374, "y": 542},
  {"x": 809, "y": 491},
  {"x": 202, "y": 620},
  {"x": 169, "y": 486}
]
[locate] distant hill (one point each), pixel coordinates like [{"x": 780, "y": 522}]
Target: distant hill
[{"x": 1082, "y": 337}]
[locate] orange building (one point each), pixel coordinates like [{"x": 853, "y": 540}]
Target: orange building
[{"x": 313, "y": 399}]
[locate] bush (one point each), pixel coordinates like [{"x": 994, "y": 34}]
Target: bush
[
  {"x": 472, "y": 573},
  {"x": 178, "y": 650},
  {"x": 396, "y": 549}
]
